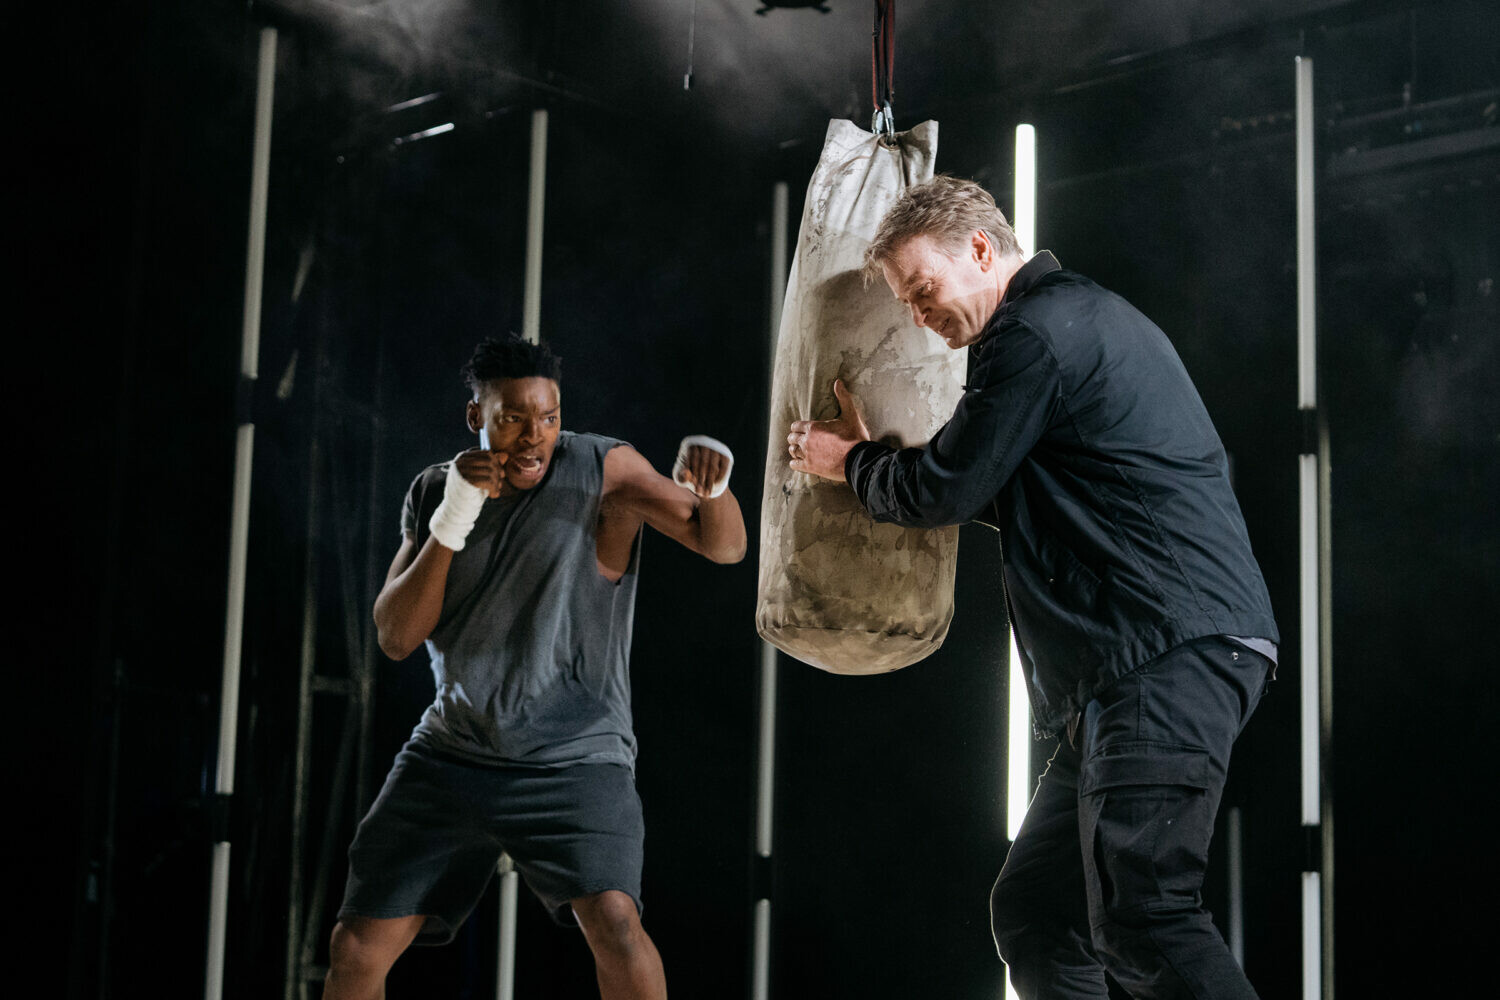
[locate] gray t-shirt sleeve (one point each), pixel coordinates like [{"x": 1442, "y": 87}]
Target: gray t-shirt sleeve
[
  {"x": 422, "y": 498},
  {"x": 409, "y": 511}
]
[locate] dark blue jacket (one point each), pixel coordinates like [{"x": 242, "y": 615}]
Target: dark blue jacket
[{"x": 1082, "y": 438}]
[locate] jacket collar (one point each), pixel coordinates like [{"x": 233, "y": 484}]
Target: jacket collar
[{"x": 1042, "y": 262}]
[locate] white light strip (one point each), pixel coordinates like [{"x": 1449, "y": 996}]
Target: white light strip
[
  {"x": 1307, "y": 464},
  {"x": 1018, "y": 754},
  {"x": 760, "y": 982},
  {"x": 1025, "y": 220},
  {"x": 766, "y": 767},
  {"x": 239, "y": 515},
  {"x": 505, "y": 957},
  {"x": 531, "y": 294},
  {"x": 531, "y": 331},
  {"x": 415, "y": 102},
  {"x": 1312, "y": 937},
  {"x": 1018, "y": 751},
  {"x": 1307, "y": 354},
  {"x": 765, "y": 791},
  {"x": 426, "y": 133},
  {"x": 1237, "y": 886},
  {"x": 1307, "y": 497},
  {"x": 218, "y": 882}
]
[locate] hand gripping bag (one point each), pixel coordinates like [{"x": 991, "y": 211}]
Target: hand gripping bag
[{"x": 836, "y": 589}]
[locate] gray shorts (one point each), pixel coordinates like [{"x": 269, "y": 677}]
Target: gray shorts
[{"x": 433, "y": 838}]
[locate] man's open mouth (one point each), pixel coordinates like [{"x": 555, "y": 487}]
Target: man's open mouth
[{"x": 528, "y": 466}]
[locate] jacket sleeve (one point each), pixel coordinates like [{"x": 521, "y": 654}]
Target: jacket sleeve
[{"x": 1012, "y": 398}]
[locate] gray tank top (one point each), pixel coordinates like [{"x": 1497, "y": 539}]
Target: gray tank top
[{"x": 531, "y": 653}]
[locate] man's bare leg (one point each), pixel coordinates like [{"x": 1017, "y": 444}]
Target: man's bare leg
[
  {"x": 362, "y": 951},
  {"x": 627, "y": 963}
]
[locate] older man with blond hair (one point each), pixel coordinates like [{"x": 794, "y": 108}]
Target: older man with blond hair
[{"x": 1142, "y": 620}]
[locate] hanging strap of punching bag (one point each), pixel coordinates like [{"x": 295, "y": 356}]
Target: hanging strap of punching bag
[{"x": 883, "y": 68}]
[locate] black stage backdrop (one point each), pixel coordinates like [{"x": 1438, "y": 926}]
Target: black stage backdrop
[{"x": 1171, "y": 184}]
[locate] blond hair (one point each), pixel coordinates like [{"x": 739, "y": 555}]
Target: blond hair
[{"x": 947, "y": 210}]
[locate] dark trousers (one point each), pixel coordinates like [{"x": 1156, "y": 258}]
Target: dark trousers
[{"x": 1107, "y": 870}]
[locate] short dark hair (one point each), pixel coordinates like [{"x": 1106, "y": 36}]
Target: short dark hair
[{"x": 509, "y": 357}]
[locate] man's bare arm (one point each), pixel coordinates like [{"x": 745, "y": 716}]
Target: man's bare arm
[
  {"x": 409, "y": 605},
  {"x": 712, "y": 527}
]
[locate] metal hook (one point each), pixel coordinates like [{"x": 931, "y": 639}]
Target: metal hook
[{"x": 884, "y": 123}]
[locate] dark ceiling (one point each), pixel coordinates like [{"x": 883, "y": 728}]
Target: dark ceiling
[{"x": 765, "y": 76}]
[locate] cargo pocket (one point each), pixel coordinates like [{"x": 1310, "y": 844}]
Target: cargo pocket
[{"x": 1145, "y": 817}]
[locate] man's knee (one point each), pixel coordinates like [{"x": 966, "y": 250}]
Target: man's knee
[
  {"x": 609, "y": 919},
  {"x": 367, "y": 945}
]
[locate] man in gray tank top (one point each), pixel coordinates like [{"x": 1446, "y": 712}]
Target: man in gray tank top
[{"x": 517, "y": 569}]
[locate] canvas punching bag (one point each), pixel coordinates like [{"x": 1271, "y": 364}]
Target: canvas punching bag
[{"x": 837, "y": 590}]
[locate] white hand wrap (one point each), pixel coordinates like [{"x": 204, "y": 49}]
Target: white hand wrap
[
  {"x": 703, "y": 441},
  {"x": 455, "y": 516}
]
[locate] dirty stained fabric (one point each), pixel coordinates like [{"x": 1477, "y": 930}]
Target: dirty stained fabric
[{"x": 837, "y": 590}]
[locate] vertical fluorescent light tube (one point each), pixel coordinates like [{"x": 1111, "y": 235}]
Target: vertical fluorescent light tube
[
  {"x": 531, "y": 302},
  {"x": 1018, "y": 755},
  {"x": 1307, "y": 487},
  {"x": 1312, "y": 938},
  {"x": 1025, "y": 220},
  {"x": 1307, "y": 540},
  {"x": 1307, "y": 340},
  {"x": 1018, "y": 749},
  {"x": 505, "y": 959},
  {"x": 531, "y": 330},
  {"x": 760, "y": 983},
  {"x": 1237, "y": 886},
  {"x": 766, "y": 766},
  {"x": 760, "y": 957},
  {"x": 239, "y": 517}
]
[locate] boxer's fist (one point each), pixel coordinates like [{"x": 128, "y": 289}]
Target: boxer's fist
[
  {"x": 482, "y": 468},
  {"x": 703, "y": 466},
  {"x": 472, "y": 475}
]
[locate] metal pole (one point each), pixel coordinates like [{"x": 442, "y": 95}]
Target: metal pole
[
  {"x": 298, "y": 931},
  {"x": 239, "y": 524},
  {"x": 765, "y": 789},
  {"x": 531, "y": 330},
  {"x": 1236, "y": 886},
  {"x": 363, "y": 685},
  {"x": 1311, "y": 473},
  {"x": 760, "y": 985},
  {"x": 765, "y": 779},
  {"x": 505, "y": 960},
  {"x": 536, "y": 205},
  {"x": 1325, "y": 700},
  {"x": 296, "y": 978}
]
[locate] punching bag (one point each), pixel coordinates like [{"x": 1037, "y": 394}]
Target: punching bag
[{"x": 837, "y": 590}]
